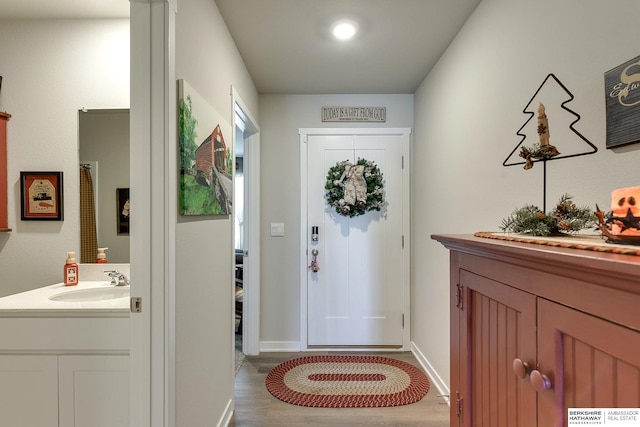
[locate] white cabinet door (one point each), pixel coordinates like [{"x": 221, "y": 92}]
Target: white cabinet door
[
  {"x": 28, "y": 391},
  {"x": 94, "y": 390}
]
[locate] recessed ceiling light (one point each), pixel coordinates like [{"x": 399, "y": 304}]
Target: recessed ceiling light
[{"x": 344, "y": 29}]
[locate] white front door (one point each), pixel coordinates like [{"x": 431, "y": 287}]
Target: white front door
[{"x": 358, "y": 296}]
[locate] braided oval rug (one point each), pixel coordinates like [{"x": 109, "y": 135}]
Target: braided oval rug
[{"x": 347, "y": 381}]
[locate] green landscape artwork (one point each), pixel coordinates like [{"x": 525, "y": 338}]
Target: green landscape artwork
[{"x": 206, "y": 160}]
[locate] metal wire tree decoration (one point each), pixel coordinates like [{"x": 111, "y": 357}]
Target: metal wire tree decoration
[{"x": 544, "y": 151}]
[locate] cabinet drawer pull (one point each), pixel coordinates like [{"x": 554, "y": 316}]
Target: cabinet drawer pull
[
  {"x": 520, "y": 368},
  {"x": 539, "y": 381}
]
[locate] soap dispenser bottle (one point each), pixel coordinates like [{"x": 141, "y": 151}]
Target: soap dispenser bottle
[
  {"x": 102, "y": 256},
  {"x": 71, "y": 270}
]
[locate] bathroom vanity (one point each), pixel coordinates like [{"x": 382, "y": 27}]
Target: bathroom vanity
[{"x": 64, "y": 356}]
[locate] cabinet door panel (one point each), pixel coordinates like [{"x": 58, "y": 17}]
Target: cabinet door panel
[
  {"x": 591, "y": 363},
  {"x": 94, "y": 391},
  {"x": 628, "y": 397},
  {"x": 29, "y": 391},
  {"x": 499, "y": 323}
]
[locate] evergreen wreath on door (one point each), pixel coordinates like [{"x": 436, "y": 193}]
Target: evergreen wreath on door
[{"x": 354, "y": 189}]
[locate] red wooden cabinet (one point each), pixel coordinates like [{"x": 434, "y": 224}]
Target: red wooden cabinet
[
  {"x": 537, "y": 330},
  {"x": 4, "y": 225},
  {"x": 594, "y": 363},
  {"x": 497, "y": 325}
]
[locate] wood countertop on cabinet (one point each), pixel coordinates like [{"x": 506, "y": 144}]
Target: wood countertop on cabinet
[{"x": 610, "y": 270}]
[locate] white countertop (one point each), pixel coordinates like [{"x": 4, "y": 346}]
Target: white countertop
[{"x": 36, "y": 302}]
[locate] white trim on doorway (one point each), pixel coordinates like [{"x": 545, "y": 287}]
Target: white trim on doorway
[
  {"x": 251, "y": 299},
  {"x": 304, "y": 228},
  {"x": 153, "y": 139}
]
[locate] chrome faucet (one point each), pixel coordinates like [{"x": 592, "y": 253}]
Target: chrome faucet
[{"x": 117, "y": 278}]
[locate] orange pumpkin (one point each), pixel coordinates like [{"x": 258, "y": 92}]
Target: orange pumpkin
[{"x": 625, "y": 204}]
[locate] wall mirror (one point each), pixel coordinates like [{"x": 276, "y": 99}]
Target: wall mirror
[{"x": 103, "y": 148}]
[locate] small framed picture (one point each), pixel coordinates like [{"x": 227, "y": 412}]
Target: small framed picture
[
  {"x": 122, "y": 198},
  {"x": 41, "y": 196}
]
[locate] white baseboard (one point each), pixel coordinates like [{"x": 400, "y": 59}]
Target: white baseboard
[
  {"x": 436, "y": 380},
  {"x": 225, "y": 419},
  {"x": 279, "y": 346}
]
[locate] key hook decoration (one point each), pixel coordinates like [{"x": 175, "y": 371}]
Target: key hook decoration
[{"x": 314, "y": 261}]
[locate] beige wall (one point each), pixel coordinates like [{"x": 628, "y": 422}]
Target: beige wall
[
  {"x": 207, "y": 59},
  {"x": 50, "y": 70},
  {"x": 467, "y": 113}
]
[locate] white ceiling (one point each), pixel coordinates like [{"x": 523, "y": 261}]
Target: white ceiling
[{"x": 287, "y": 47}]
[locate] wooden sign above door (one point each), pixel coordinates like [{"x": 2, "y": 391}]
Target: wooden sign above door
[{"x": 354, "y": 114}]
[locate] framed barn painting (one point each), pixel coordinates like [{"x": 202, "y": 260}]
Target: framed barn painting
[
  {"x": 622, "y": 100},
  {"x": 206, "y": 156}
]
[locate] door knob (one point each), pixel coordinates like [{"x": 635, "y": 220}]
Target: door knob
[
  {"x": 314, "y": 261},
  {"x": 539, "y": 381},
  {"x": 520, "y": 368}
]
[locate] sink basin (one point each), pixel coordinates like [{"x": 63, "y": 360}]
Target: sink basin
[{"x": 93, "y": 294}]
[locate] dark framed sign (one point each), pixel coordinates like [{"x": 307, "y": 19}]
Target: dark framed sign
[
  {"x": 122, "y": 198},
  {"x": 41, "y": 196},
  {"x": 622, "y": 101}
]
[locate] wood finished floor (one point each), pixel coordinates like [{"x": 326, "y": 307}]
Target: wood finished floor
[{"x": 256, "y": 407}]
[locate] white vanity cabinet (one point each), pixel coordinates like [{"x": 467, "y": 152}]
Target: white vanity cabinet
[
  {"x": 64, "y": 364},
  {"x": 29, "y": 390},
  {"x": 93, "y": 390},
  {"x": 64, "y": 390}
]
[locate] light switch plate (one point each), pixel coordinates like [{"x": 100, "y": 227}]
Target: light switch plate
[{"x": 277, "y": 229}]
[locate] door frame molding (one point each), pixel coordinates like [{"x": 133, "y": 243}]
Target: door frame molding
[
  {"x": 153, "y": 133},
  {"x": 304, "y": 227},
  {"x": 251, "y": 300}
]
